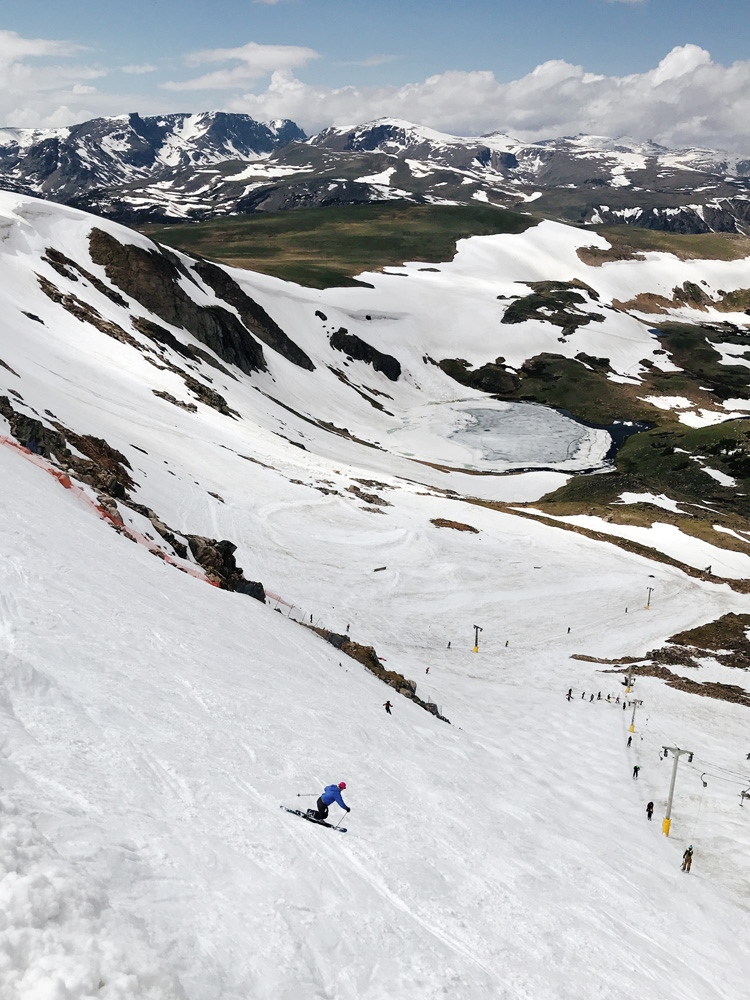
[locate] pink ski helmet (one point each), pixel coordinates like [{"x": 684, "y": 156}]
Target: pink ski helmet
[{"x": 342, "y": 784}]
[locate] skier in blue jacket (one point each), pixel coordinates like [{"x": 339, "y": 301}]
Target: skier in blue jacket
[{"x": 331, "y": 794}]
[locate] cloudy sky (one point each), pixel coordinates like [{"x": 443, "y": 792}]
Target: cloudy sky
[{"x": 677, "y": 71}]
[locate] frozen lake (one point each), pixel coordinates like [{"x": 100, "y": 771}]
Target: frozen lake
[
  {"x": 494, "y": 436},
  {"x": 529, "y": 435}
]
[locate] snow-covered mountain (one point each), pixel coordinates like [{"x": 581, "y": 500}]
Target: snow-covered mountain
[
  {"x": 106, "y": 153},
  {"x": 318, "y": 456},
  {"x": 197, "y": 166}
]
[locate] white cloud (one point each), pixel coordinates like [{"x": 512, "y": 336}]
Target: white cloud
[
  {"x": 139, "y": 69},
  {"x": 35, "y": 91},
  {"x": 253, "y": 62},
  {"x": 686, "y": 99},
  {"x": 369, "y": 61}
]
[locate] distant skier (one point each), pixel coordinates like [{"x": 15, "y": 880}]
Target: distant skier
[
  {"x": 591, "y": 699},
  {"x": 630, "y": 740},
  {"x": 570, "y": 693},
  {"x": 347, "y": 628},
  {"x": 608, "y": 698},
  {"x": 568, "y": 629},
  {"x": 387, "y": 706},
  {"x": 687, "y": 859},
  {"x": 506, "y": 642},
  {"x": 636, "y": 769},
  {"x": 650, "y": 810},
  {"x": 331, "y": 793},
  {"x": 569, "y": 696},
  {"x": 583, "y": 695},
  {"x": 449, "y": 644},
  {"x": 617, "y": 700},
  {"x": 427, "y": 670},
  {"x": 599, "y": 696}
]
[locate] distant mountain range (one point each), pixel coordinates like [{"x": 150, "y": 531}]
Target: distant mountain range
[{"x": 195, "y": 166}]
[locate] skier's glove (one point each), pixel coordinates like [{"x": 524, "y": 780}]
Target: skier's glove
[{"x": 348, "y": 809}]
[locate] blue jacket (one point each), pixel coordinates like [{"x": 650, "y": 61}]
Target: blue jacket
[{"x": 331, "y": 794}]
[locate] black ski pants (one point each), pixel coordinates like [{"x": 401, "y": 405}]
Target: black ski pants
[{"x": 322, "y": 812}]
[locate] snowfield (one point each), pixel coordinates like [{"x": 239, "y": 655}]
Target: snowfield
[{"x": 153, "y": 725}]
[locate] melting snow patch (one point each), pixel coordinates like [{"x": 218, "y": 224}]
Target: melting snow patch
[
  {"x": 706, "y": 418},
  {"x": 660, "y": 501},
  {"x": 669, "y": 402},
  {"x": 384, "y": 177},
  {"x": 720, "y": 477}
]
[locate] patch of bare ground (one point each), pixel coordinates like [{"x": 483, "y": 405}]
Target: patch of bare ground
[
  {"x": 740, "y": 586},
  {"x": 707, "y": 689},
  {"x": 698, "y": 523},
  {"x": 442, "y": 522},
  {"x": 688, "y": 294},
  {"x": 724, "y": 640},
  {"x": 631, "y": 243}
]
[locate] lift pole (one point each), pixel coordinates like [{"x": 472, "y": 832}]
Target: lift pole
[
  {"x": 636, "y": 703},
  {"x": 677, "y": 754},
  {"x": 477, "y": 630}
]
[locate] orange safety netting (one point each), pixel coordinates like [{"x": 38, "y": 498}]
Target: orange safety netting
[{"x": 41, "y": 463}]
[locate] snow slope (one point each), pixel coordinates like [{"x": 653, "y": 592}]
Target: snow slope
[{"x": 152, "y": 725}]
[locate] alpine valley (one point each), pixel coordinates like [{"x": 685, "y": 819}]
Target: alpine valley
[{"x": 457, "y": 435}]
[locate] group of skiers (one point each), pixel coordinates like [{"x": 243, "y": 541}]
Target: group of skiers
[
  {"x": 687, "y": 857},
  {"x": 609, "y": 699}
]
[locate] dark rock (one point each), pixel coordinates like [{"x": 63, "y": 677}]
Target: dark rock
[
  {"x": 217, "y": 559},
  {"x": 356, "y": 348},
  {"x": 253, "y": 315},
  {"x": 152, "y": 279}
]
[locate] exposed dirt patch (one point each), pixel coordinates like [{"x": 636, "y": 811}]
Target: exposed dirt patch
[
  {"x": 442, "y": 522},
  {"x": 371, "y": 498}
]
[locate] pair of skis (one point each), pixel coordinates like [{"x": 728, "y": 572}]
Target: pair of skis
[{"x": 310, "y": 819}]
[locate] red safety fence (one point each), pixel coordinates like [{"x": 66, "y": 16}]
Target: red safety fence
[{"x": 42, "y": 463}]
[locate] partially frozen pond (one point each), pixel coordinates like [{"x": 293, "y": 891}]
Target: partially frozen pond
[
  {"x": 494, "y": 436},
  {"x": 528, "y": 435}
]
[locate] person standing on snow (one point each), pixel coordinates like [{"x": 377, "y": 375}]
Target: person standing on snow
[
  {"x": 630, "y": 740},
  {"x": 331, "y": 793},
  {"x": 387, "y": 706},
  {"x": 687, "y": 859},
  {"x": 650, "y": 810},
  {"x": 636, "y": 769}
]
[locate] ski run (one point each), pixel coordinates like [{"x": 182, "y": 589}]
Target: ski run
[{"x": 151, "y": 725}]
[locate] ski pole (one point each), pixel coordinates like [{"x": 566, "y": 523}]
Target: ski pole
[
  {"x": 306, "y": 795},
  {"x": 339, "y": 822}
]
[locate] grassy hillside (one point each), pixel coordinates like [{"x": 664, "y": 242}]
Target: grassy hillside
[{"x": 324, "y": 247}]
